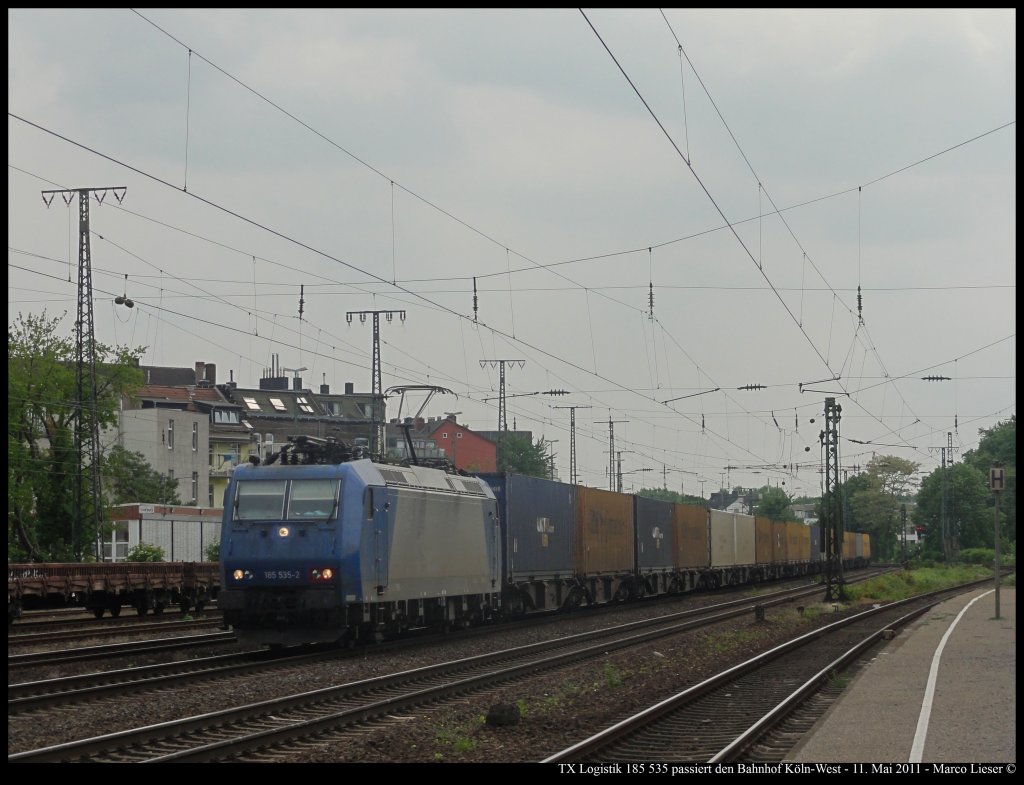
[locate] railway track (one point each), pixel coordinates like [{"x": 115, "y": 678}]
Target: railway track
[
  {"x": 87, "y": 631},
  {"x": 115, "y": 650},
  {"x": 43, "y": 621},
  {"x": 28, "y": 695},
  {"x": 757, "y": 710},
  {"x": 272, "y": 728}
]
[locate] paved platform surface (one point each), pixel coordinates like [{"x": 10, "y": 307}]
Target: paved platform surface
[{"x": 943, "y": 690}]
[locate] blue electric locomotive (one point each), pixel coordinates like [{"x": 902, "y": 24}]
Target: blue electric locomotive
[{"x": 355, "y": 550}]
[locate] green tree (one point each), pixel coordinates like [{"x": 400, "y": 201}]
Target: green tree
[
  {"x": 998, "y": 445},
  {"x": 666, "y": 495},
  {"x": 128, "y": 478},
  {"x": 968, "y": 518},
  {"x": 776, "y": 504},
  {"x": 874, "y": 501},
  {"x": 42, "y": 462},
  {"x": 517, "y": 455},
  {"x": 212, "y": 551}
]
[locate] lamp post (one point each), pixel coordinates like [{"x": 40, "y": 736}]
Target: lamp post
[
  {"x": 996, "y": 481},
  {"x": 551, "y": 457}
]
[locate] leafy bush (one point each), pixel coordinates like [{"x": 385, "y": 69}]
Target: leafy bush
[
  {"x": 984, "y": 556},
  {"x": 212, "y": 551},
  {"x": 144, "y": 552}
]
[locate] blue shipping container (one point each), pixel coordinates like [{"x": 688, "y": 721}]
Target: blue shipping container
[{"x": 537, "y": 525}]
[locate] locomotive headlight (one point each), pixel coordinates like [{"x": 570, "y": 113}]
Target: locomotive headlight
[
  {"x": 320, "y": 574},
  {"x": 283, "y": 531},
  {"x": 237, "y": 575}
]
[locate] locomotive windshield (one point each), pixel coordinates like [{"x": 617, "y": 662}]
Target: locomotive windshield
[
  {"x": 260, "y": 500},
  {"x": 312, "y": 499},
  {"x": 263, "y": 500}
]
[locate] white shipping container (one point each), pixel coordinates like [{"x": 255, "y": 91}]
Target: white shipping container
[{"x": 184, "y": 533}]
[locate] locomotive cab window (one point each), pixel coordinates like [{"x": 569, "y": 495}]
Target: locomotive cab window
[
  {"x": 313, "y": 499},
  {"x": 260, "y": 500}
]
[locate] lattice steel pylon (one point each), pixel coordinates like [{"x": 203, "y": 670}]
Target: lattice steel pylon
[
  {"x": 572, "y": 439},
  {"x": 611, "y": 451},
  {"x": 87, "y": 424},
  {"x": 378, "y": 444},
  {"x": 832, "y": 507},
  {"x": 502, "y": 420}
]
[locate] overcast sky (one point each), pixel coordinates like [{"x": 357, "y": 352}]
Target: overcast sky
[{"x": 751, "y": 169}]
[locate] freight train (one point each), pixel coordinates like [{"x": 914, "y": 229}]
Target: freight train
[
  {"x": 104, "y": 587},
  {"x": 359, "y": 550}
]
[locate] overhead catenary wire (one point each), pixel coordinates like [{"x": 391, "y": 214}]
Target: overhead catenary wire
[{"x": 264, "y": 289}]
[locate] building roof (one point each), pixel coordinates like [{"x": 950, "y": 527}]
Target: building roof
[
  {"x": 288, "y": 404},
  {"x": 184, "y": 397},
  {"x": 157, "y": 375}
]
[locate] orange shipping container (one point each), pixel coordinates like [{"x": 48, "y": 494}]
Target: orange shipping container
[
  {"x": 849, "y": 549},
  {"x": 604, "y": 531},
  {"x": 779, "y": 542},
  {"x": 793, "y": 541},
  {"x": 763, "y": 539},
  {"x": 690, "y": 524}
]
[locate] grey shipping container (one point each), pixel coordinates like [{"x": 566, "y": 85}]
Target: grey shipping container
[
  {"x": 655, "y": 540},
  {"x": 732, "y": 539},
  {"x": 604, "y": 532},
  {"x": 816, "y": 543},
  {"x": 537, "y": 525}
]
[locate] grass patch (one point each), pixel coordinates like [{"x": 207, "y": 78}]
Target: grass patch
[
  {"x": 838, "y": 680},
  {"x": 899, "y": 585},
  {"x": 457, "y": 738},
  {"x": 612, "y": 677}
]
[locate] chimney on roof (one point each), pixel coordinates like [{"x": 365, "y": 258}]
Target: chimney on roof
[
  {"x": 296, "y": 383},
  {"x": 419, "y": 423},
  {"x": 350, "y": 388},
  {"x": 231, "y": 381},
  {"x": 325, "y": 389},
  {"x": 200, "y": 372},
  {"x": 211, "y": 373}
]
